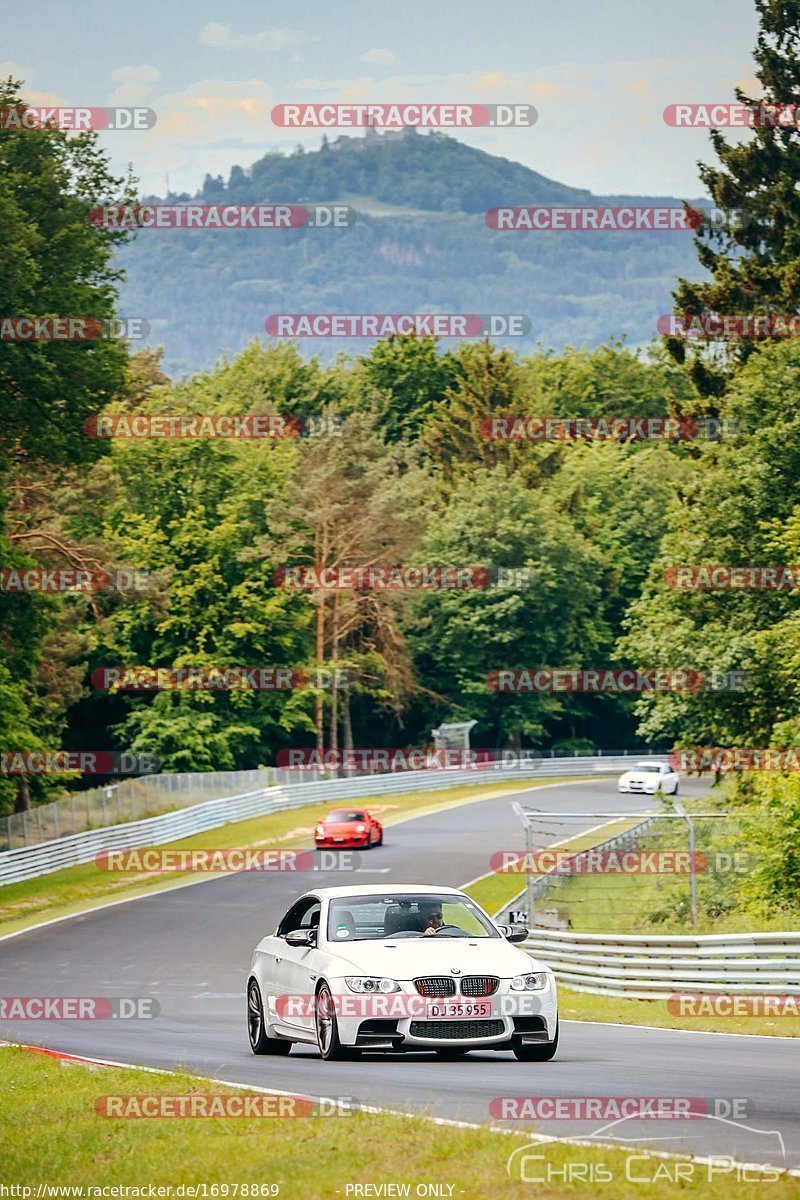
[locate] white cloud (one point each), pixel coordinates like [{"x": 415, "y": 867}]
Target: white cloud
[
  {"x": 136, "y": 83},
  {"x": 378, "y": 54},
  {"x": 141, "y": 74},
  {"x": 222, "y": 37}
]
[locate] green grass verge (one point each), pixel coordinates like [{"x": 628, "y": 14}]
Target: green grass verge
[
  {"x": 583, "y": 1006},
  {"x": 603, "y": 908},
  {"x": 78, "y": 889},
  {"x": 305, "y": 1157},
  {"x": 659, "y": 903}
]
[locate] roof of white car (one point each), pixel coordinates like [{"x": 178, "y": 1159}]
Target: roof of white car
[{"x": 387, "y": 889}]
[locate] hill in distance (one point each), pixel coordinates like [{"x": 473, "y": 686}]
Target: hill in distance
[{"x": 419, "y": 244}]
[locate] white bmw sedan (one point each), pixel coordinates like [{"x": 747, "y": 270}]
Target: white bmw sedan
[
  {"x": 397, "y": 969},
  {"x": 649, "y": 778}
]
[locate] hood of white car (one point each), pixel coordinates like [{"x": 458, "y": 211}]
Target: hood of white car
[
  {"x": 407, "y": 958},
  {"x": 640, "y": 776}
]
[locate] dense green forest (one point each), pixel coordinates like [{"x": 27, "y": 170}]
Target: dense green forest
[{"x": 393, "y": 467}]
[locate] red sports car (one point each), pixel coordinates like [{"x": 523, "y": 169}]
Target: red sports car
[{"x": 348, "y": 827}]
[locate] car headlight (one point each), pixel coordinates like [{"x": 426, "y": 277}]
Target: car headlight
[
  {"x": 361, "y": 828},
  {"x": 320, "y": 831},
  {"x": 361, "y": 983},
  {"x": 529, "y": 983}
]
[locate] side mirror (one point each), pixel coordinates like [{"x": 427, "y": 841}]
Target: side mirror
[
  {"x": 514, "y": 933},
  {"x": 302, "y": 937}
]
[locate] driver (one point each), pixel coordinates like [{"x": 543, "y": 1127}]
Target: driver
[{"x": 430, "y": 913}]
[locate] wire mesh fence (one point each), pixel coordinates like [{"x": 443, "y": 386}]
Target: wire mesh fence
[
  {"x": 647, "y": 875},
  {"x": 129, "y": 800},
  {"x": 133, "y": 799}
]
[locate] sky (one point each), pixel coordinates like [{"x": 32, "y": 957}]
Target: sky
[{"x": 600, "y": 73}]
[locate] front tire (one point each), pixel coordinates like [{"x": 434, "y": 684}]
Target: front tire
[
  {"x": 537, "y": 1051},
  {"x": 330, "y": 1047},
  {"x": 260, "y": 1043}
]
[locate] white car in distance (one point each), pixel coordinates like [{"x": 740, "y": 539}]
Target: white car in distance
[
  {"x": 394, "y": 969},
  {"x": 649, "y": 778}
]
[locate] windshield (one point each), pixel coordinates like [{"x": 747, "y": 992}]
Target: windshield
[
  {"x": 345, "y": 814},
  {"x": 647, "y": 766},
  {"x": 373, "y": 918}
]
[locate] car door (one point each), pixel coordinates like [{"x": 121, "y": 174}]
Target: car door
[{"x": 295, "y": 969}]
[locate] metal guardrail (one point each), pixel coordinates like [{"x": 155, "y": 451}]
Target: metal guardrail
[
  {"x": 654, "y": 967},
  {"x": 28, "y": 862},
  {"x": 135, "y": 798}
]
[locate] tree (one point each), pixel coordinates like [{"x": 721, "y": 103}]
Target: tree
[
  {"x": 404, "y": 378},
  {"x": 545, "y": 616},
  {"x": 53, "y": 263},
  {"x": 739, "y": 507},
  {"x": 754, "y": 258},
  {"x": 354, "y": 501}
]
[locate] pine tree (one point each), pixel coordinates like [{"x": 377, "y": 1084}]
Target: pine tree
[{"x": 754, "y": 256}]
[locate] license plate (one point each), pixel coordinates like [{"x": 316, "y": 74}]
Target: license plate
[{"x": 447, "y": 1010}]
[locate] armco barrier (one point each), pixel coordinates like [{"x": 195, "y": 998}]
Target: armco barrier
[
  {"x": 652, "y": 968},
  {"x": 27, "y": 862}
]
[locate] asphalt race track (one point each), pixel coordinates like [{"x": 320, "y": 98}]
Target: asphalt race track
[{"x": 190, "y": 949}]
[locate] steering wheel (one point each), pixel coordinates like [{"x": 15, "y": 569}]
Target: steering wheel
[{"x": 459, "y": 931}]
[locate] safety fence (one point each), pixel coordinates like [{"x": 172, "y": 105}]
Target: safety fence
[
  {"x": 43, "y": 858},
  {"x": 658, "y": 966},
  {"x": 135, "y": 798}
]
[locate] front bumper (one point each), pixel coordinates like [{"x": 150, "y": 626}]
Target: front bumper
[
  {"x": 357, "y": 842},
  {"x": 515, "y": 1017}
]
